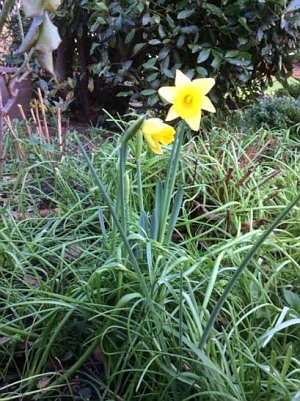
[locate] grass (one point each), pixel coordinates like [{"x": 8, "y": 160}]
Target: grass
[
  {"x": 277, "y": 85},
  {"x": 79, "y": 323}
]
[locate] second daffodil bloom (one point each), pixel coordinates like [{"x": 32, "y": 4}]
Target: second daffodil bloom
[
  {"x": 156, "y": 132},
  {"x": 188, "y": 98}
]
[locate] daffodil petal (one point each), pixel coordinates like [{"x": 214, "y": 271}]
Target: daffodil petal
[
  {"x": 168, "y": 93},
  {"x": 194, "y": 122},
  {"x": 154, "y": 145},
  {"x": 207, "y": 105},
  {"x": 181, "y": 79},
  {"x": 152, "y": 125},
  {"x": 172, "y": 114},
  {"x": 204, "y": 85},
  {"x": 157, "y": 148}
]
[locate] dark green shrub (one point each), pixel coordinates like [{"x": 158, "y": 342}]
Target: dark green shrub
[
  {"x": 120, "y": 52},
  {"x": 123, "y": 51},
  {"x": 273, "y": 113},
  {"x": 133, "y": 47}
]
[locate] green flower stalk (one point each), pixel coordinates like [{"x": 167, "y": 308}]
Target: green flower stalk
[
  {"x": 122, "y": 205},
  {"x": 139, "y": 146},
  {"x": 168, "y": 186},
  {"x": 188, "y": 99}
]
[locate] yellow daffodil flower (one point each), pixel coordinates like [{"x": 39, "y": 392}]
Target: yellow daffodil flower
[
  {"x": 188, "y": 98},
  {"x": 156, "y": 132}
]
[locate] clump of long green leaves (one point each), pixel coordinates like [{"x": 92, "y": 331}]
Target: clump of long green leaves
[
  {"x": 162, "y": 232},
  {"x": 165, "y": 316}
]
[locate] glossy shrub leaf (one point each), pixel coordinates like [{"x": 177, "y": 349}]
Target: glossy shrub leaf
[
  {"x": 138, "y": 47},
  {"x": 214, "y": 9},
  {"x": 185, "y": 14},
  {"x": 154, "y": 42},
  {"x": 129, "y": 37},
  {"x": 148, "y": 92},
  {"x": 203, "y": 55}
]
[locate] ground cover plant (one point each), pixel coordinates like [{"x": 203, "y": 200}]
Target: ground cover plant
[
  {"x": 116, "y": 256},
  {"x": 292, "y": 90},
  {"x": 280, "y": 111}
]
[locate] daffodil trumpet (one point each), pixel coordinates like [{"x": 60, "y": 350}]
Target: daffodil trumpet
[{"x": 157, "y": 133}]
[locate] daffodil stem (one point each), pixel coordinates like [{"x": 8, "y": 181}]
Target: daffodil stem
[
  {"x": 139, "y": 145},
  {"x": 122, "y": 197},
  {"x": 140, "y": 186},
  {"x": 169, "y": 184}
]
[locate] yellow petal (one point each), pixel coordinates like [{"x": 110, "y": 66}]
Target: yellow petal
[
  {"x": 157, "y": 148},
  {"x": 194, "y": 122},
  {"x": 154, "y": 145},
  {"x": 151, "y": 125},
  {"x": 172, "y": 114},
  {"x": 181, "y": 79},
  {"x": 204, "y": 85},
  {"x": 168, "y": 93},
  {"x": 207, "y": 105}
]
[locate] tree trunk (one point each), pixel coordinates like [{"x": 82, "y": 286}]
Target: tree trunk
[
  {"x": 83, "y": 47},
  {"x": 64, "y": 58}
]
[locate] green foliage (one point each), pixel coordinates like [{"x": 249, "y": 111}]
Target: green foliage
[
  {"x": 136, "y": 46},
  {"x": 76, "y": 322},
  {"x": 273, "y": 112}
]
